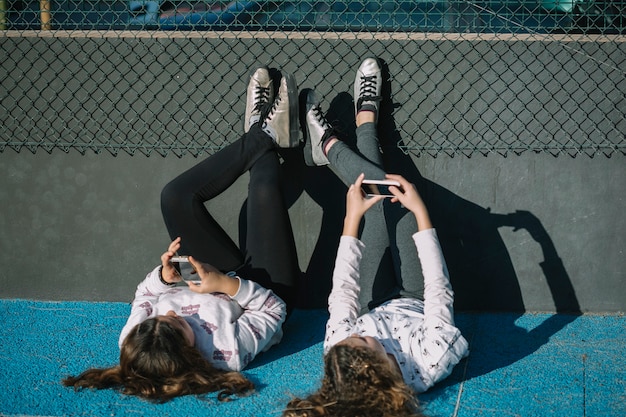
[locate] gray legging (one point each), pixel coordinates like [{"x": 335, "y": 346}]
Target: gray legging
[{"x": 390, "y": 267}]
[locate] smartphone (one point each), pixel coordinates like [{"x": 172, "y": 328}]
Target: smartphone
[
  {"x": 185, "y": 269},
  {"x": 379, "y": 187}
]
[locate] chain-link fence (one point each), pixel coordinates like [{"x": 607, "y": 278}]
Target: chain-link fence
[{"x": 167, "y": 77}]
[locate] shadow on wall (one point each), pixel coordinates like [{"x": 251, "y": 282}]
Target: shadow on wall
[
  {"x": 481, "y": 270},
  {"x": 480, "y": 266},
  {"x": 482, "y": 274}
]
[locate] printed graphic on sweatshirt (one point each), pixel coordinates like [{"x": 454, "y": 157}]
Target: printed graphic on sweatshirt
[
  {"x": 147, "y": 307},
  {"x": 256, "y": 332},
  {"x": 247, "y": 359},
  {"x": 209, "y": 328},
  {"x": 269, "y": 303},
  {"x": 221, "y": 296},
  {"x": 190, "y": 310},
  {"x": 222, "y": 355},
  {"x": 147, "y": 293}
]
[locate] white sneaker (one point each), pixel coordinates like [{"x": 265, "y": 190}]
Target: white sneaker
[
  {"x": 281, "y": 123},
  {"x": 367, "y": 87},
  {"x": 260, "y": 93},
  {"x": 317, "y": 131}
]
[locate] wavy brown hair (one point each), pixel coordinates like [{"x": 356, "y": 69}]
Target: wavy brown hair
[
  {"x": 357, "y": 383},
  {"x": 157, "y": 364}
]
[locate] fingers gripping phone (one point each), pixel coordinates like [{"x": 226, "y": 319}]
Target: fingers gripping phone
[
  {"x": 185, "y": 269},
  {"x": 379, "y": 187}
]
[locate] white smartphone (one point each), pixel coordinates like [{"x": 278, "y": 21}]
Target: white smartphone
[
  {"x": 379, "y": 187},
  {"x": 186, "y": 269}
]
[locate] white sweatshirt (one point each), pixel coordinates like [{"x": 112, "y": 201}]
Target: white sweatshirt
[
  {"x": 229, "y": 331},
  {"x": 420, "y": 334}
]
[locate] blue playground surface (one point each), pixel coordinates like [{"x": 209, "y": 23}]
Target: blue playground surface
[{"x": 519, "y": 365}]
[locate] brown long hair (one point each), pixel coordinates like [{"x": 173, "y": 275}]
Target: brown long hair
[
  {"x": 357, "y": 383},
  {"x": 157, "y": 364}
]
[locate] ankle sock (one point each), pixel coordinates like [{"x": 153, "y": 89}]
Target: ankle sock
[
  {"x": 368, "y": 107},
  {"x": 325, "y": 143}
]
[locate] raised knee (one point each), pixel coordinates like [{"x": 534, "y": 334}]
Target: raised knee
[{"x": 170, "y": 194}]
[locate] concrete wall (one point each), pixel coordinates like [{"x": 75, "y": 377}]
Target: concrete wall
[
  {"x": 526, "y": 232},
  {"x": 530, "y": 232}
]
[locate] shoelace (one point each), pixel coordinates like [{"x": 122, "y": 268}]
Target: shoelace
[
  {"x": 277, "y": 100},
  {"x": 263, "y": 96},
  {"x": 329, "y": 130},
  {"x": 368, "y": 90},
  {"x": 317, "y": 113}
]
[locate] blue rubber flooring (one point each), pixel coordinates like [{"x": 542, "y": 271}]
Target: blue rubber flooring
[{"x": 519, "y": 365}]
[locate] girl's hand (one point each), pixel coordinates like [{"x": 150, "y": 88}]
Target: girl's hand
[
  {"x": 356, "y": 201},
  {"x": 410, "y": 199},
  {"x": 168, "y": 272},
  {"x": 212, "y": 280},
  {"x": 356, "y": 206}
]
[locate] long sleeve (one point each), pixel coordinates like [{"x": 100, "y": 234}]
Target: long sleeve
[
  {"x": 230, "y": 331},
  {"x": 260, "y": 325},
  {"x": 343, "y": 302},
  {"x": 440, "y": 346},
  {"x": 438, "y": 294},
  {"x": 146, "y": 296}
]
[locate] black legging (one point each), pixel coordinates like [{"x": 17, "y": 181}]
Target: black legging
[{"x": 268, "y": 254}]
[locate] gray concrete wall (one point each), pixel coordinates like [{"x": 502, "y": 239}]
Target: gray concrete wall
[
  {"x": 527, "y": 232},
  {"x": 530, "y": 232}
]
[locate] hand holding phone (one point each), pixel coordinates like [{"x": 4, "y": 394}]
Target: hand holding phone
[
  {"x": 379, "y": 187},
  {"x": 411, "y": 199},
  {"x": 169, "y": 272},
  {"x": 357, "y": 203},
  {"x": 212, "y": 280},
  {"x": 186, "y": 269}
]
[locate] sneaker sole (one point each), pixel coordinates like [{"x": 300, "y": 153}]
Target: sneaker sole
[
  {"x": 308, "y": 158},
  {"x": 294, "y": 122}
]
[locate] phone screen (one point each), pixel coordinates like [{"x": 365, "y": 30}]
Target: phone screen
[
  {"x": 378, "y": 188},
  {"x": 185, "y": 269}
]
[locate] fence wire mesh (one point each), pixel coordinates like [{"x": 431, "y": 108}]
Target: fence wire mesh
[{"x": 168, "y": 76}]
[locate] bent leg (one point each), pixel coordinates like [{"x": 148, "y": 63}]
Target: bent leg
[
  {"x": 390, "y": 266},
  {"x": 182, "y": 201},
  {"x": 269, "y": 247},
  {"x": 377, "y": 278},
  {"x": 400, "y": 224}
]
